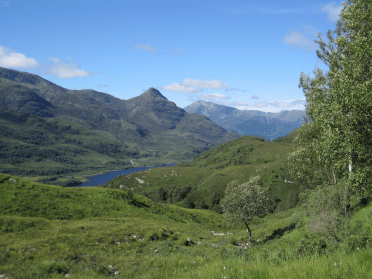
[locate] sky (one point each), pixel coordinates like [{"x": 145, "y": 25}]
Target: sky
[{"x": 244, "y": 54}]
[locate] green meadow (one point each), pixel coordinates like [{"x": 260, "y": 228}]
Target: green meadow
[{"x": 49, "y": 231}]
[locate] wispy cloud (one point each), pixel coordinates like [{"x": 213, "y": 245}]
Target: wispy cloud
[
  {"x": 265, "y": 10},
  {"x": 280, "y": 104},
  {"x": 175, "y": 51},
  {"x": 193, "y": 85},
  {"x": 64, "y": 71},
  {"x": 273, "y": 106},
  {"x": 332, "y": 10},
  {"x": 102, "y": 85},
  {"x": 261, "y": 10},
  {"x": 311, "y": 30},
  {"x": 146, "y": 48},
  {"x": 239, "y": 104},
  {"x": 154, "y": 50},
  {"x": 11, "y": 59},
  {"x": 255, "y": 97},
  {"x": 299, "y": 40},
  {"x": 232, "y": 89},
  {"x": 213, "y": 96}
]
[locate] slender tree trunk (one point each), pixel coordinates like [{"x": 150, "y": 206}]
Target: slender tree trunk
[
  {"x": 249, "y": 231},
  {"x": 348, "y": 185}
]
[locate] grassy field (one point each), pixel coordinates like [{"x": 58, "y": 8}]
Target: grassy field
[{"x": 48, "y": 232}]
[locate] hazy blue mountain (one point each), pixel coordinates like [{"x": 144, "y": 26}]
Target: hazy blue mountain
[{"x": 249, "y": 122}]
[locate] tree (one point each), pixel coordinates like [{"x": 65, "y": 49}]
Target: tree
[
  {"x": 335, "y": 145},
  {"x": 162, "y": 195},
  {"x": 244, "y": 202}
]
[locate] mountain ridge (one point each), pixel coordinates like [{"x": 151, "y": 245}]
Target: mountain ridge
[
  {"x": 249, "y": 122},
  {"x": 148, "y": 121}
]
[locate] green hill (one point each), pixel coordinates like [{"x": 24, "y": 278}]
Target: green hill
[
  {"x": 63, "y": 152},
  {"x": 201, "y": 183},
  {"x": 48, "y": 232}
]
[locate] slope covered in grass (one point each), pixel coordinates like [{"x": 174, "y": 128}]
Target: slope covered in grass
[
  {"x": 48, "y": 231},
  {"x": 201, "y": 183}
]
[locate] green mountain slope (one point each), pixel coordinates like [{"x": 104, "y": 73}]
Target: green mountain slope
[
  {"x": 145, "y": 119},
  {"x": 201, "y": 183},
  {"x": 109, "y": 133},
  {"x": 57, "y": 149}
]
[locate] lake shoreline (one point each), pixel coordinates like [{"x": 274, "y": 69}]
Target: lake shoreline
[{"x": 103, "y": 178}]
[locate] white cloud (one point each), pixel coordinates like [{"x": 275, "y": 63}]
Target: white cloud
[
  {"x": 64, "y": 71},
  {"x": 311, "y": 30},
  {"x": 299, "y": 40},
  {"x": 332, "y": 10},
  {"x": 239, "y": 104},
  {"x": 11, "y": 59},
  {"x": 255, "y": 97},
  {"x": 281, "y": 104},
  {"x": 193, "y": 85},
  {"x": 232, "y": 89},
  {"x": 145, "y": 47},
  {"x": 274, "y": 106},
  {"x": 212, "y": 96}
]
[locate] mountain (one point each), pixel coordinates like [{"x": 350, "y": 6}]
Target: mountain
[
  {"x": 149, "y": 122},
  {"x": 249, "y": 122}
]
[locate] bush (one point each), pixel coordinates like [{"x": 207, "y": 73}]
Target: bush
[
  {"x": 217, "y": 208},
  {"x": 327, "y": 210},
  {"x": 311, "y": 246},
  {"x": 200, "y": 204},
  {"x": 188, "y": 203}
]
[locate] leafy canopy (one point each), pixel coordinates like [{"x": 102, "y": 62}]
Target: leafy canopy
[
  {"x": 246, "y": 201},
  {"x": 335, "y": 145}
]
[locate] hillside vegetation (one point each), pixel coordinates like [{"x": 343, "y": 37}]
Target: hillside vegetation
[
  {"x": 62, "y": 152},
  {"x": 320, "y": 226},
  {"x": 201, "y": 183},
  {"x": 48, "y": 232}
]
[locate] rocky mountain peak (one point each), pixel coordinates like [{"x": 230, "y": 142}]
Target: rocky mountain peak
[{"x": 152, "y": 92}]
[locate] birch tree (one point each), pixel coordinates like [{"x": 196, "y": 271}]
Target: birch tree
[
  {"x": 336, "y": 146},
  {"x": 244, "y": 202}
]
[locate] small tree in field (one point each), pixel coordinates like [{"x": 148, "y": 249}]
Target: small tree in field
[{"x": 244, "y": 202}]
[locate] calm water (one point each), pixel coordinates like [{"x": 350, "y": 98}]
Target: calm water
[{"x": 101, "y": 179}]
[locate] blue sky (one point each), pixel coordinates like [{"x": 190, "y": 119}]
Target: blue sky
[{"x": 244, "y": 54}]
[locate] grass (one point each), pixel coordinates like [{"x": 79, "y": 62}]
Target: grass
[
  {"x": 48, "y": 231},
  {"x": 207, "y": 175}
]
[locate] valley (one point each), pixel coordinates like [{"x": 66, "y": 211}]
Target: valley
[{"x": 165, "y": 222}]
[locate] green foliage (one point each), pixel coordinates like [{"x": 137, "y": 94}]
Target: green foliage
[
  {"x": 133, "y": 242},
  {"x": 246, "y": 201},
  {"x": 339, "y": 106},
  {"x": 204, "y": 180},
  {"x": 328, "y": 210},
  {"x": 200, "y": 204}
]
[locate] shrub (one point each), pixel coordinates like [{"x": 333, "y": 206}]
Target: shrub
[{"x": 200, "y": 204}]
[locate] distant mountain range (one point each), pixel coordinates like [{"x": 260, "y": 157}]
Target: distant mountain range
[
  {"x": 150, "y": 123},
  {"x": 249, "y": 122},
  {"x": 135, "y": 120}
]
